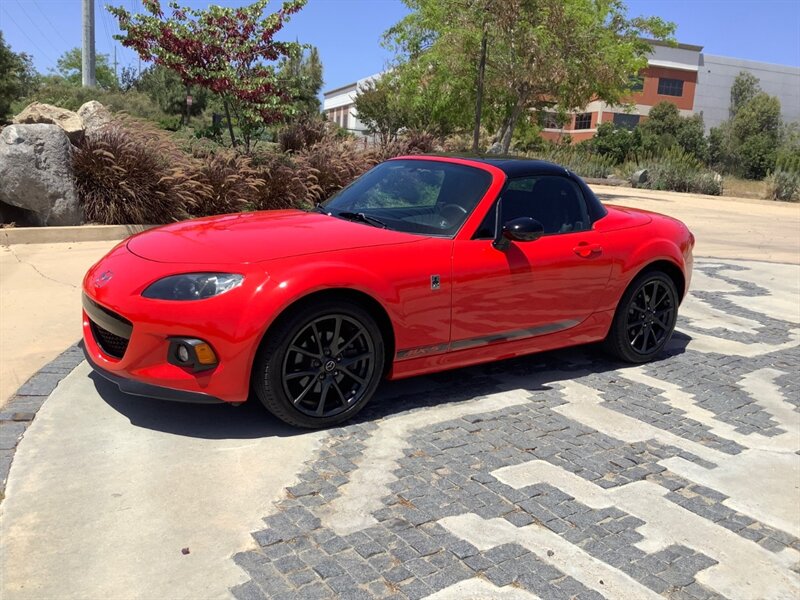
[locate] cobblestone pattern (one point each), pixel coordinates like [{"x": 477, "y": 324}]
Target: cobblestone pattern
[
  {"x": 447, "y": 470},
  {"x": 17, "y": 415}
]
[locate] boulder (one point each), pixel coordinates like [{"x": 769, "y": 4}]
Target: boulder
[
  {"x": 36, "y": 175},
  {"x": 640, "y": 177},
  {"x": 37, "y": 112},
  {"x": 94, "y": 116}
]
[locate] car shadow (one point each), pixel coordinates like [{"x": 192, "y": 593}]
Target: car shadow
[{"x": 251, "y": 420}]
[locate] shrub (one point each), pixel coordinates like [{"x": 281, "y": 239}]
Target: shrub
[
  {"x": 221, "y": 182},
  {"x": 303, "y": 133},
  {"x": 677, "y": 171},
  {"x": 126, "y": 177},
  {"x": 579, "y": 160},
  {"x": 784, "y": 185},
  {"x": 335, "y": 163},
  {"x": 289, "y": 182},
  {"x": 411, "y": 142}
]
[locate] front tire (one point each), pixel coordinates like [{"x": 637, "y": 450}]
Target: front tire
[
  {"x": 645, "y": 318},
  {"x": 320, "y": 366}
]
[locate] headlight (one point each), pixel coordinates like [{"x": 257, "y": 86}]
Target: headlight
[{"x": 192, "y": 286}]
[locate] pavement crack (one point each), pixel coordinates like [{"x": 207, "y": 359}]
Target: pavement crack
[{"x": 35, "y": 268}]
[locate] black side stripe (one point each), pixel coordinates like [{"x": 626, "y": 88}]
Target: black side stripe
[{"x": 508, "y": 336}]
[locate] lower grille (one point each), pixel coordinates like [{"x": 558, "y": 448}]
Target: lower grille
[{"x": 111, "y": 344}]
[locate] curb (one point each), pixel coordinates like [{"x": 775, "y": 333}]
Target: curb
[
  {"x": 77, "y": 233},
  {"x": 18, "y": 414}
]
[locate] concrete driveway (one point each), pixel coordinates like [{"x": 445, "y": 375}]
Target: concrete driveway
[{"x": 561, "y": 475}]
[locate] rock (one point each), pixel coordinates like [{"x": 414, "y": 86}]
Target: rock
[
  {"x": 94, "y": 116},
  {"x": 37, "y": 112},
  {"x": 639, "y": 177},
  {"x": 36, "y": 174},
  {"x": 496, "y": 148}
]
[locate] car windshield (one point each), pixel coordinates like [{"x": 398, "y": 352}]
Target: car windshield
[{"x": 415, "y": 196}]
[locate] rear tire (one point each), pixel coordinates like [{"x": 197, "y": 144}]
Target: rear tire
[
  {"x": 320, "y": 366},
  {"x": 645, "y": 318}
]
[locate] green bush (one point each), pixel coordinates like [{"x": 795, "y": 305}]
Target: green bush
[
  {"x": 617, "y": 143},
  {"x": 579, "y": 160},
  {"x": 784, "y": 185},
  {"x": 676, "y": 170}
]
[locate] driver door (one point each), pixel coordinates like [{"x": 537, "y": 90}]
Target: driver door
[{"x": 531, "y": 288}]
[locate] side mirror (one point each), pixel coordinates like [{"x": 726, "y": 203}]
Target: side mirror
[{"x": 521, "y": 229}]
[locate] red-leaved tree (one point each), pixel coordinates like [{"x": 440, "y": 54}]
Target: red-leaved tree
[{"x": 230, "y": 51}]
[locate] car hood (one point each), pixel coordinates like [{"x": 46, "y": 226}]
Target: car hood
[{"x": 257, "y": 236}]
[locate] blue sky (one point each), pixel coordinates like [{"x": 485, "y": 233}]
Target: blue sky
[{"x": 348, "y": 32}]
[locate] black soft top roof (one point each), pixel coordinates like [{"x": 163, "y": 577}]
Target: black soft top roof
[{"x": 520, "y": 167}]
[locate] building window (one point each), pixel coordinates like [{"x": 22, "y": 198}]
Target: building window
[
  {"x": 670, "y": 87},
  {"x": 583, "y": 121},
  {"x": 636, "y": 83},
  {"x": 548, "y": 120},
  {"x": 626, "y": 121}
]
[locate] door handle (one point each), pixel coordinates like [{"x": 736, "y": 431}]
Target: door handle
[{"x": 585, "y": 250}]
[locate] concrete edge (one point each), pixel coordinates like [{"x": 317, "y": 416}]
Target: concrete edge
[
  {"x": 77, "y": 233},
  {"x": 18, "y": 414}
]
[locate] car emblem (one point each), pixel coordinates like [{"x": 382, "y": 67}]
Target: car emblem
[{"x": 103, "y": 278}]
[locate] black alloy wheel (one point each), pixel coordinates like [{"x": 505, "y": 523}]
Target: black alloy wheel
[
  {"x": 645, "y": 318},
  {"x": 320, "y": 367}
]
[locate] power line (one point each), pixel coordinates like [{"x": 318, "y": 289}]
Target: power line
[
  {"x": 25, "y": 33},
  {"x": 49, "y": 22},
  {"x": 34, "y": 24}
]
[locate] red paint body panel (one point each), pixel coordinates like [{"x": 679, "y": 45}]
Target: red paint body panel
[{"x": 558, "y": 291}]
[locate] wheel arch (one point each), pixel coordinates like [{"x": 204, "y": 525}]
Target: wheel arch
[
  {"x": 671, "y": 269},
  {"x": 363, "y": 299}
]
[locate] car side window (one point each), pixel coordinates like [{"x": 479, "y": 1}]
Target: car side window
[{"x": 555, "y": 201}]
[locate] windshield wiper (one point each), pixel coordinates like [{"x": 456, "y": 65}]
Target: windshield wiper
[
  {"x": 319, "y": 208},
  {"x": 360, "y": 216}
]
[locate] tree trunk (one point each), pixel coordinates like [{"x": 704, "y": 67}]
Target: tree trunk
[
  {"x": 509, "y": 125},
  {"x": 230, "y": 124},
  {"x": 476, "y": 134}
]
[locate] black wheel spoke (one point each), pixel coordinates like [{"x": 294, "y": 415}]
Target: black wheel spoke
[
  {"x": 304, "y": 352},
  {"x": 353, "y": 375},
  {"x": 650, "y": 316},
  {"x": 351, "y": 360},
  {"x": 299, "y": 399},
  {"x": 323, "y": 376},
  {"x": 316, "y": 337},
  {"x": 299, "y": 374}
]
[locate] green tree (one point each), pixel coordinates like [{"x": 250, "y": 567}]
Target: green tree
[
  {"x": 17, "y": 77},
  {"x": 539, "y": 53},
  {"x": 665, "y": 128},
  {"x": 167, "y": 90},
  {"x": 616, "y": 142},
  {"x": 229, "y": 51},
  {"x": 378, "y": 110},
  {"x": 755, "y": 134},
  {"x": 744, "y": 88},
  {"x": 70, "y": 67},
  {"x": 301, "y": 73}
]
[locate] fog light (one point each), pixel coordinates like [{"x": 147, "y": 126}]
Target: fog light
[
  {"x": 191, "y": 353},
  {"x": 183, "y": 353},
  {"x": 205, "y": 355}
]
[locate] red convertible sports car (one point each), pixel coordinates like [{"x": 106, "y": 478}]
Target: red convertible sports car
[{"x": 424, "y": 263}]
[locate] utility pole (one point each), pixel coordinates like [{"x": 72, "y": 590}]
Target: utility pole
[
  {"x": 115, "y": 63},
  {"x": 88, "y": 56}
]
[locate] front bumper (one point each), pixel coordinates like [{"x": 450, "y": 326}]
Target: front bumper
[
  {"x": 128, "y": 336},
  {"x": 138, "y": 388}
]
